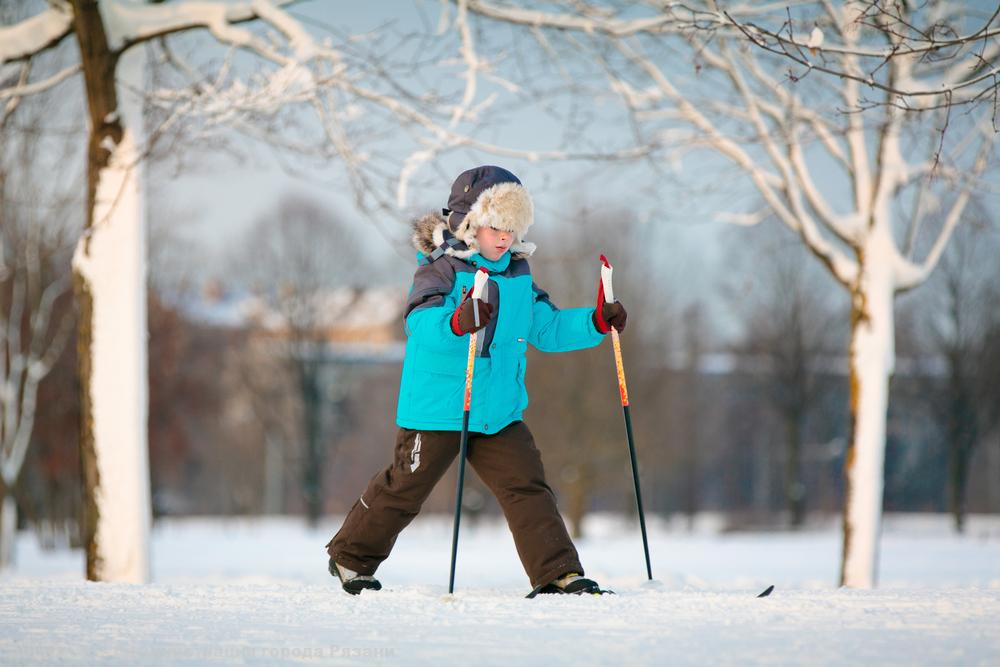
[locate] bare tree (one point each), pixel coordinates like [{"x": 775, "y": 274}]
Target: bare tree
[
  {"x": 575, "y": 410},
  {"x": 961, "y": 332},
  {"x": 789, "y": 336},
  {"x": 574, "y": 391},
  {"x": 36, "y": 230},
  {"x": 34, "y": 329},
  {"x": 266, "y": 381},
  {"x": 308, "y": 269},
  {"x": 956, "y": 46},
  {"x": 873, "y": 190}
]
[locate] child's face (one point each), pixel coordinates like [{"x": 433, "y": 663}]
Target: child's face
[{"x": 493, "y": 243}]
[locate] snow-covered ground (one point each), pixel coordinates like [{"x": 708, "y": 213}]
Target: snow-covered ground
[{"x": 257, "y": 592}]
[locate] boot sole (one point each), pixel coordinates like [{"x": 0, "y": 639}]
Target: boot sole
[
  {"x": 353, "y": 589},
  {"x": 551, "y": 589}
]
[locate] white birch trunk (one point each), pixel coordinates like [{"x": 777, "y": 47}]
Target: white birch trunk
[
  {"x": 871, "y": 358},
  {"x": 110, "y": 262}
]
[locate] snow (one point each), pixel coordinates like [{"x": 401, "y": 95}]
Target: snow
[
  {"x": 130, "y": 21},
  {"x": 34, "y": 33},
  {"x": 301, "y": 42},
  {"x": 815, "y": 39},
  {"x": 256, "y": 591}
]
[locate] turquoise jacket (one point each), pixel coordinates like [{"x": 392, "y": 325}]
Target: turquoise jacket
[{"x": 432, "y": 388}]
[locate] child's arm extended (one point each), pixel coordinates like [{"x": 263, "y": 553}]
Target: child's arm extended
[
  {"x": 554, "y": 330},
  {"x": 431, "y": 308}
]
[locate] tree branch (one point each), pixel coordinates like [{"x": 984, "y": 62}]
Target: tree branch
[
  {"x": 131, "y": 24},
  {"x": 795, "y": 50},
  {"x": 841, "y": 267},
  {"x": 25, "y": 89},
  {"x": 36, "y": 34},
  {"x": 909, "y": 274}
]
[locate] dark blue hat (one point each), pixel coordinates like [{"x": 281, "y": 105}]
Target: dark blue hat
[{"x": 467, "y": 188}]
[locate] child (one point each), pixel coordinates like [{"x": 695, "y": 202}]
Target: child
[{"x": 488, "y": 213}]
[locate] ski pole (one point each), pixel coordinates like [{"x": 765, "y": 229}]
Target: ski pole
[
  {"x": 482, "y": 275},
  {"x": 609, "y": 297}
]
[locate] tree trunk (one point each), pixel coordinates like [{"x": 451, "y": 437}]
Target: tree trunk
[
  {"x": 579, "y": 494},
  {"x": 961, "y": 442},
  {"x": 274, "y": 474},
  {"x": 8, "y": 526},
  {"x": 962, "y": 435},
  {"x": 694, "y": 336},
  {"x": 871, "y": 361},
  {"x": 795, "y": 493},
  {"x": 959, "y": 473},
  {"x": 315, "y": 459},
  {"x": 110, "y": 280}
]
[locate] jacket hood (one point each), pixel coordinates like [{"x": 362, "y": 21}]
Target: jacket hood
[{"x": 429, "y": 234}]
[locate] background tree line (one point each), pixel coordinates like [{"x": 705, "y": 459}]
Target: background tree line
[{"x": 741, "y": 415}]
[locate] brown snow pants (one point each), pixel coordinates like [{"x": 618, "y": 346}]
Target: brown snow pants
[{"x": 508, "y": 463}]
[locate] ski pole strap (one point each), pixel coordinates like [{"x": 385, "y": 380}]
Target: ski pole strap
[{"x": 606, "y": 271}]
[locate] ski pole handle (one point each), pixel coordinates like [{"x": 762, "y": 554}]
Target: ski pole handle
[
  {"x": 478, "y": 283},
  {"x": 609, "y": 297},
  {"x": 482, "y": 275},
  {"x": 606, "y": 269}
]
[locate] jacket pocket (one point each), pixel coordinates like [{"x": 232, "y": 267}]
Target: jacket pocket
[{"x": 435, "y": 387}]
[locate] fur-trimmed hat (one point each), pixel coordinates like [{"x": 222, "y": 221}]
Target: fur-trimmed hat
[{"x": 490, "y": 196}]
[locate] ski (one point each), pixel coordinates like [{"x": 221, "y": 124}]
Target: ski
[{"x": 538, "y": 590}]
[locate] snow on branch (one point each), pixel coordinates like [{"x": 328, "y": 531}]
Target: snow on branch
[
  {"x": 909, "y": 274},
  {"x": 973, "y": 76},
  {"x": 351, "y": 93},
  {"x": 130, "y": 23},
  {"x": 956, "y": 67},
  {"x": 588, "y": 21},
  {"x": 36, "y": 34},
  {"x": 597, "y": 19},
  {"x": 23, "y": 89},
  {"x": 789, "y": 158},
  {"x": 779, "y": 187},
  {"x": 471, "y": 59}
]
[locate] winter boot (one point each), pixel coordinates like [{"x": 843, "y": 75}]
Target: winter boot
[
  {"x": 570, "y": 583},
  {"x": 352, "y": 582}
]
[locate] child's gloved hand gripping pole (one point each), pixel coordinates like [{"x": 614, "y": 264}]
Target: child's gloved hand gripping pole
[
  {"x": 609, "y": 297},
  {"x": 482, "y": 275}
]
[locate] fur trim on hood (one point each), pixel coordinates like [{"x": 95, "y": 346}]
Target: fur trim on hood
[{"x": 428, "y": 234}]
